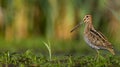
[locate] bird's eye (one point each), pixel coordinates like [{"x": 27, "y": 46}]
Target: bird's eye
[{"x": 87, "y": 16}]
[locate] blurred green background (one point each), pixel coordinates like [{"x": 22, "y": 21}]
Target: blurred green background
[{"x": 25, "y": 24}]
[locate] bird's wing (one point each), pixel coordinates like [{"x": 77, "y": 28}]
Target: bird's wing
[
  {"x": 102, "y": 35},
  {"x": 98, "y": 39},
  {"x": 98, "y": 34}
]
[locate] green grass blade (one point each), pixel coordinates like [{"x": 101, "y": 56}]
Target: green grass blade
[{"x": 49, "y": 48}]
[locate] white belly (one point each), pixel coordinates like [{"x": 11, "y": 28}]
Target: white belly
[{"x": 90, "y": 44}]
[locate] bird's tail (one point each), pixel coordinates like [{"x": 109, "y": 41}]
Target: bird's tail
[{"x": 111, "y": 50}]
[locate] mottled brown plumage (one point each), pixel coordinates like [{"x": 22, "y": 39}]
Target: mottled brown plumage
[{"x": 94, "y": 38}]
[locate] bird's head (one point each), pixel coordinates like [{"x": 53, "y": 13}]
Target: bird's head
[{"x": 87, "y": 19}]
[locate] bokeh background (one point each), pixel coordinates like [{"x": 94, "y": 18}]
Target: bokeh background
[{"x": 25, "y": 24}]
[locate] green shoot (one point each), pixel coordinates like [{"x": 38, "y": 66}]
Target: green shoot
[{"x": 49, "y": 48}]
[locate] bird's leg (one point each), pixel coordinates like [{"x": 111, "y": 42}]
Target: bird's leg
[
  {"x": 97, "y": 56},
  {"x": 97, "y": 53}
]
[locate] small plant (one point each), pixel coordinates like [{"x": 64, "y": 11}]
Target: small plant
[{"x": 49, "y": 48}]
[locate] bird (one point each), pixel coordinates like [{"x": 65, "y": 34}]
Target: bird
[{"x": 94, "y": 38}]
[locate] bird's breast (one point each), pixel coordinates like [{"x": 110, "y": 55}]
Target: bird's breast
[{"x": 87, "y": 40}]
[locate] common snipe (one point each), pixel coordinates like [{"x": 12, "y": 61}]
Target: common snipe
[{"x": 94, "y": 38}]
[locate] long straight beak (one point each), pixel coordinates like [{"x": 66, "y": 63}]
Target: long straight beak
[{"x": 76, "y": 27}]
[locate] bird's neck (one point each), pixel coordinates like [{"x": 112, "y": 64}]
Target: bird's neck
[{"x": 88, "y": 26}]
